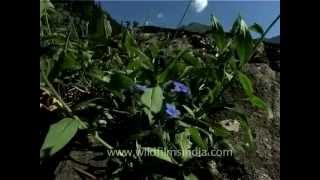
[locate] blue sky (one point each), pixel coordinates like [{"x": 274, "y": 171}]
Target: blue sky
[{"x": 168, "y": 13}]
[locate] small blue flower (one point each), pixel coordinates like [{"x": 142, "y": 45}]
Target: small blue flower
[
  {"x": 179, "y": 87},
  {"x": 141, "y": 87},
  {"x": 172, "y": 111}
]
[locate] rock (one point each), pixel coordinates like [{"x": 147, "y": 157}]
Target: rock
[
  {"x": 82, "y": 165},
  {"x": 267, "y": 86},
  {"x": 266, "y": 131}
]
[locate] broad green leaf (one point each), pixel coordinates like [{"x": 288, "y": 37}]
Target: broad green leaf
[
  {"x": 218, "y": 33},
  {"x": 120, "y": 81},
  {"x": 149, "y": 114},
  {"x": 246, "y": 84},
  {"x": 256, "y": 28},
  {"x": 58, "y": 136},
  {"x": 190, "y": 177},
  {"x": 189, "y": 111},
  {"x": 190, "y": 59},
  {"x": 153, "y": 99},
  {"x": 240, "y": 27},
  {"x": 247, "y": 137},
  {"x": 169, "y": 72},
  {"x": 97, "y": 74},
  {"x": 219, "y": 131},
  {"x": 44, "y": 6},
  {"x": 144, "y": 59},
  {"x": 154, "y": 49},
  {"x": 182, "y": 139},
  {"x": 158, "y": 153},
  {"x": 208, "y": 133},
  {"x": 196, "y": 137},
  {"x": 256, "y": 101},
  {"x": 70, "y": 62},
  {"x": 129, "y": 44},
  {"x": 244, "y": 49},
  {"x": 242, "y": 39}
]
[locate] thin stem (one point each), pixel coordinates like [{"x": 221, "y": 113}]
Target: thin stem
[
  {"x": 47, "y": 21},
  {"x": 102, "y": 141},
  {"x": 55, "y": 93},
  {"x": 184, "y": 14},
  {"x": 182, "y": 18},
  {"x": 67, "y": 42},
  {"x": 263, "y": 35},
  {"x": 84, "y": 172}
]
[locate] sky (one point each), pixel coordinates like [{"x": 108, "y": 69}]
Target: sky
[{"x": 168, "y": 13}]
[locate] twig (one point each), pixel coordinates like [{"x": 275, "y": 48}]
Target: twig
[
  {"x": 84, "y": 172},
  {"x": 263, "y": 35},
  {"x": 102, "y": 141}
]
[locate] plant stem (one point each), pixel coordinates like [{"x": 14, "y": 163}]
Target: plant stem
[
  {"x": 67, "y": 42},
  {"x": 182, "y": 18},
  {"x": 55, "y": 93},
  {"x": 84, "y": 172},
  {"x": 102, "y": 141},
  {"x": 47, "y": 21},
  {"x": 263, "y": 36},
  {"x": 184, "y": 14}
]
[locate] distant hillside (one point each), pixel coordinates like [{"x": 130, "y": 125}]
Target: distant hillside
[
  {"x": 274, "y": 40},
  {"x": 196, "y": 27},
  {"x": 90, "y": 11}
]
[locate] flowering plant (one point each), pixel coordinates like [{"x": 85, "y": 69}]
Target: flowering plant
[{"x": 136, "y": 94}]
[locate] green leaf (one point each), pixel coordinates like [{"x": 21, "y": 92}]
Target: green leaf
[
  {"x": 143, "y": 59},
  {"x": 218, "y": 34},
  {"x": 189, "y": 111},
  {"x": 120, "y": 81},
  {"x": 58, "y": 136},
  {"x": 158, "y": 153},
  {"x": 44, "y": 6},
  {"x": 129, "y": 44},
  {"x": 182, "y": 139},
  {"x": 256, "y": 101},
  {"x": 246, "y": 84},
  {"x": 246, "y": 134},
  {"x": 149, "y": 114},
  {"x": 171, "y": 72},
  {"x": 196, "y": 137},
  {"x": 190, "y": 177},
  {"x": 219, "y": 131},
  {"x": 243, "y": 40},
  {"x": 256, "y": 28},
  {"x": 190, "y": 59},
  {"x": 70, "y": 62},
  {"x": 153, "y": 99}
]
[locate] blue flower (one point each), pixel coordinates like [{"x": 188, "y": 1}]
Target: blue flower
[
  {"x": 141, "y": 87},
  {"x": 179, "y": 87},
  {"x": 172, "y": 111}
]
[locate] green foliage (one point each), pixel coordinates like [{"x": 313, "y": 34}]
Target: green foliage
[
  {"x": 58, "y": 136},
  {"x": 95, "y": 77},
  {"x": 153, "y": 99},
  {"x": 246, "y": 84}
]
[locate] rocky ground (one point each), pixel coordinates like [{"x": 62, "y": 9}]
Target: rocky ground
[{"x": 263, "y": 164}]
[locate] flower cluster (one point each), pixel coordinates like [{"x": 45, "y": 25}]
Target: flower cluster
[
  {"x": 179, "y": 87},
  {"x": 172, "y": 111}
]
